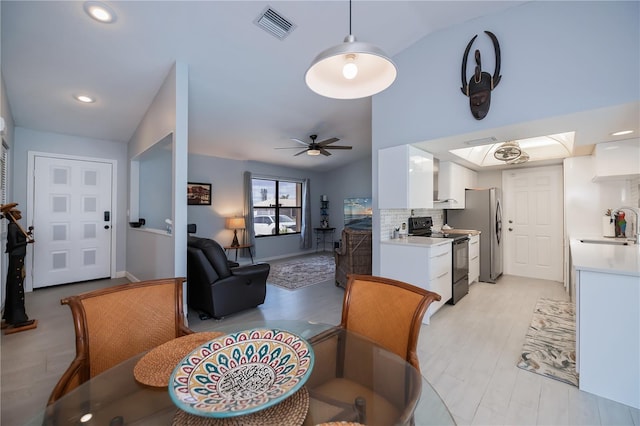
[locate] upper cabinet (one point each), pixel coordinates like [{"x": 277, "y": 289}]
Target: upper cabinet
[
  {"x": 453, "y": 179},
  {"x": 617, "y": 160},
  {"x": 405, "y": 178}
]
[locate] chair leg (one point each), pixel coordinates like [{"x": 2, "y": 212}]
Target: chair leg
[{"x": 361, "y": 409}]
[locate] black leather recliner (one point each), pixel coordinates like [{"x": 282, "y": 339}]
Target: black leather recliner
[{"x": 216, "y": 289}]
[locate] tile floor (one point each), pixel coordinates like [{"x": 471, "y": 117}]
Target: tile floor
[{"x": 469, "y": 353}]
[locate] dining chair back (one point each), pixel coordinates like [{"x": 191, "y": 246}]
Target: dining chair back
[
  {"x": 116, "y": 323},
  {"x": 386, "y": 311}
]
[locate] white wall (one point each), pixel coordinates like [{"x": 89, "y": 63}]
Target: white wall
[
  {"x": 226, "y": 178},
  {"x": 7, "y": 138},
  {"x": 558, "y": 58},
  {"x": 27, "y": 140},
  {"x": 586, "y": 201},
  {"x": 156, "y": 255},
  {"x": 351, "y": 181}
]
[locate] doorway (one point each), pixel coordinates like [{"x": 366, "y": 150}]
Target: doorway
[
  {"x": 533, "y": 222},
  {"x": 72, "y": 214}
]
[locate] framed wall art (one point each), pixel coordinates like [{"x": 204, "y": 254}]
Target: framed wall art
[{"x": 198, "y": 194}]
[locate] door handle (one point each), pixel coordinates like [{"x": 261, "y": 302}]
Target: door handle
[
  {"x": 107, "y": 216},
  {"x": 510, "y": 229},
  {"x": 106, "y": 227}
]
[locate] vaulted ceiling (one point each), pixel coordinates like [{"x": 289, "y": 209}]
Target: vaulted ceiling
[{"x": 247, "y": 94}]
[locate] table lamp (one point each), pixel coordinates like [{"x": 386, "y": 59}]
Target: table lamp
[{"x": 235, "y": 223}]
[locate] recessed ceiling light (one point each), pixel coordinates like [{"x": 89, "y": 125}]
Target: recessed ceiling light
[
  {"x": 84, "y": 99},
  {"x": 622, "y": 132},
  {"x": 100, "y": 12}
]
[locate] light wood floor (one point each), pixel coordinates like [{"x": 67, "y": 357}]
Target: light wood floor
[{"x": 469, "y": 353}]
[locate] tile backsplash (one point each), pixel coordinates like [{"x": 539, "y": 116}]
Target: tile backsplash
[{"x": 394, "y": 218}]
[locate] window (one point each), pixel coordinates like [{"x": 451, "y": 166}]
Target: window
[{"x": 271, "y": 217}]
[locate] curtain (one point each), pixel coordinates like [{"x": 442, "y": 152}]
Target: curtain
[
  {"x": 250, "y": 236},
  {"x": 305, "y": 226}
]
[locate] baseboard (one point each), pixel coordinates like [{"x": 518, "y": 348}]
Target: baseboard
[
  {"x": 286, "y": 256},
  {"x": 131, "y": 277}
]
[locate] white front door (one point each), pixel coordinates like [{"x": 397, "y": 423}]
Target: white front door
[
  {"x": 72, "y": 220},
  {"x": 532, "y": 222}
]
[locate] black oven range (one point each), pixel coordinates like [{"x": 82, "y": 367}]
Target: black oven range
[{"x": 420, "y": 226}]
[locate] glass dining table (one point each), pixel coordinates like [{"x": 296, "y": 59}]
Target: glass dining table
[{"x": 352, "y": 380}]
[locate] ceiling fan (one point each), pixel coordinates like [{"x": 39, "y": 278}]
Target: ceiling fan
[{"x": 316, "y": 148}]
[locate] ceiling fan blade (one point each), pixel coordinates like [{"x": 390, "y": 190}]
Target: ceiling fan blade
[
  {"x": 324, "y": 152},
  {"x": 328, "y": 141},
  {"x": 301, "y": 152},
  {"x": 338, "y": 147},
  {"x": 288, "y": 147},
  {"x": 299, "y": 141}
]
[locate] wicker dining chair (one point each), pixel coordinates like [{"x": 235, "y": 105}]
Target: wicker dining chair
[
  {"x": 116, "y": 323},
  {"x": 387, "y": 311}
]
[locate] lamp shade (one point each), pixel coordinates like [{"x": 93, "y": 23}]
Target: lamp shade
[
  {"x": 368, "y": 71},
  {"x": 235, "y": 223}
]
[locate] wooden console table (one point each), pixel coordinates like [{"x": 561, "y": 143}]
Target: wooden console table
[{"x": 241, "y": 246}]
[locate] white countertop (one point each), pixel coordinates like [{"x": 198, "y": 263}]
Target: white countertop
[
  {"x": 606, "y": 258},
  {"x": 418, "y": 241}
]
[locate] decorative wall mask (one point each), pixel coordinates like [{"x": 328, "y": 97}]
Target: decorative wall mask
[{"x": 481, "y": 83}]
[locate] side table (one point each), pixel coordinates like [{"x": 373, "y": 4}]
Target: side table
[
  {"x": 236, "y": 248},
  {"x": 321, "y": 235}
]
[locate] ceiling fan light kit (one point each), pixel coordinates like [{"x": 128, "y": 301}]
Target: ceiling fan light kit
[
  {"x": 317, "y": 148},
  {"x": 522, "y": 158},
  {"x": 351, "y": 70},
  {"x": 508, "y": 151}
]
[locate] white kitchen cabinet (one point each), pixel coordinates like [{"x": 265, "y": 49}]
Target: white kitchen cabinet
[
  {"x": 617, "y": 160},
  {"x": 453, "y": 179},
  {"x": 474, "y": 258},
  {"x": 405, "y": 178},
  {"x": 423, "y": 266},
  {"x": 607, "y": 336}
]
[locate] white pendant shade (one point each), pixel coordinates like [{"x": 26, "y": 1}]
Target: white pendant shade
[{"x": 375, "y": 71}]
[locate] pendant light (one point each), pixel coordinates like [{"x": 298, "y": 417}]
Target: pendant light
[{"x": 351, "y": 70}]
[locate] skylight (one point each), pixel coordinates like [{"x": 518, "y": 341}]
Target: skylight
[{"x": 537, "y": 148}]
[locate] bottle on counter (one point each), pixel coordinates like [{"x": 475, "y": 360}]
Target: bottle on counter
[{"x": 621, "y": 225}]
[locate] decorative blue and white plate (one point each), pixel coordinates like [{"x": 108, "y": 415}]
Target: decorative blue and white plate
[{"x": 241, "y": 373}]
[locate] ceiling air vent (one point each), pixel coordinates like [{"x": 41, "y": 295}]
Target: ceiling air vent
[
  {"x": 484, "y": 141},
  {"x": 274, "y": 23}
]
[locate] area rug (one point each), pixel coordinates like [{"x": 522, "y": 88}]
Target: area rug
[
  {"x": 302, "y": 271},
  {"x": 550, "y": 343}
]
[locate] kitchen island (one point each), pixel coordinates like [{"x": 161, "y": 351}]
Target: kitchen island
[
  {"x": 608, "y": 318},
  {"x": 424, "y": 262}
]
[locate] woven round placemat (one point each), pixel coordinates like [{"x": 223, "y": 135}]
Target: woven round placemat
[
  {"x": 340, "y": 424},
  {"x": 290, "y": 412},
  {"x": 155, "y": 368}
]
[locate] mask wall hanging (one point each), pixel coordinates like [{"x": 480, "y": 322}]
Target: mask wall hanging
[{"x": 479, "y": 87}]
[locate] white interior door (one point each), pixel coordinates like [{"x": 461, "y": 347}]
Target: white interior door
[
  {"x": 532, "y": 222},
  {"x": 72, "y": 220}
]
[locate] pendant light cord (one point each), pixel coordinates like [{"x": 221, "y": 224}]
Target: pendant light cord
[{"x": 350, "y": 33}]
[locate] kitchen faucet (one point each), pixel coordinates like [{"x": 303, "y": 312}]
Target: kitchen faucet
[{"x": 636, "y": 236}]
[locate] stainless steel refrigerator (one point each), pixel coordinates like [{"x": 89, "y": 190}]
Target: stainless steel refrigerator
[{"x": 483, "y": 212}]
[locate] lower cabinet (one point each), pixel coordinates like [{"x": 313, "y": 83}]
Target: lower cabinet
[
  {"x": 474, "y": 258},
  {"x": 608, "y": 335},
  {"x": 423, "y": 266}
]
